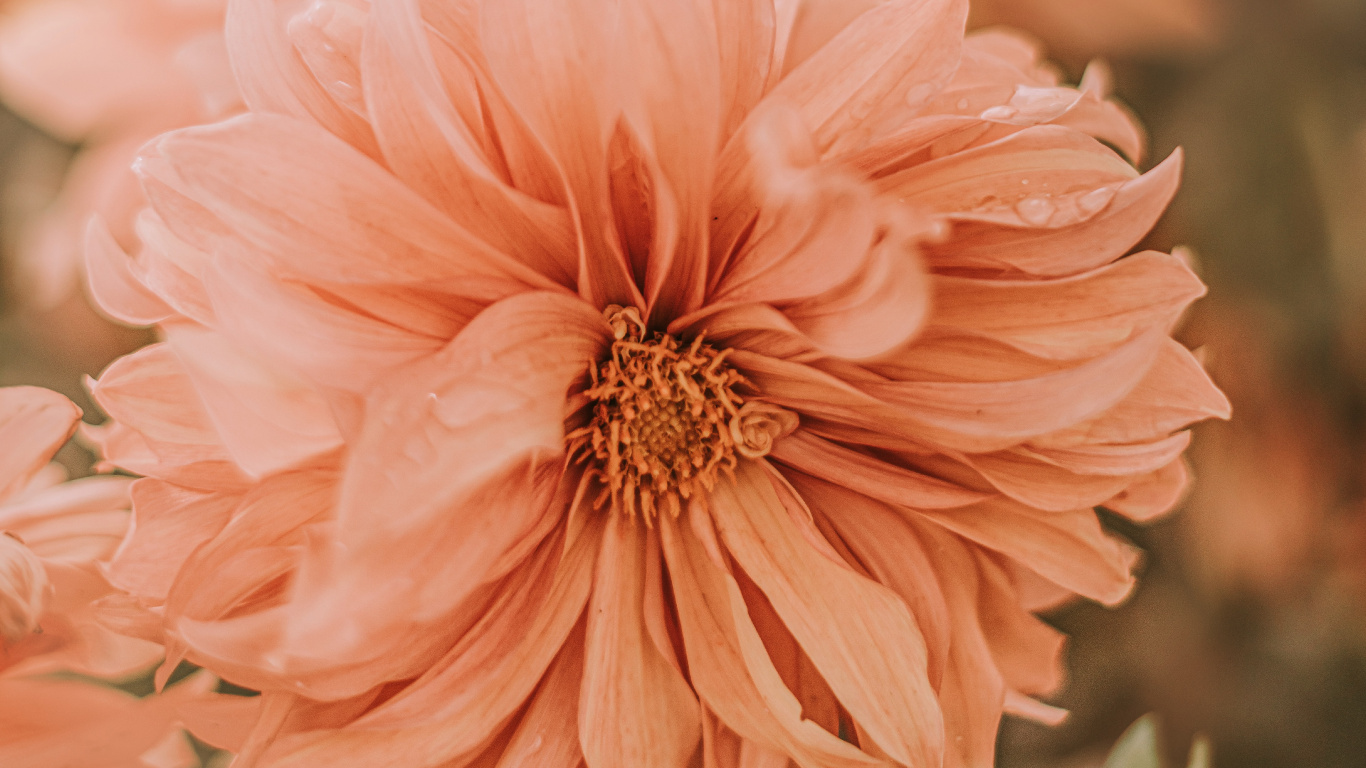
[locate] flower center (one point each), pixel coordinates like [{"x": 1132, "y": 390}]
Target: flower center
[{"x": 666, "y": 420}]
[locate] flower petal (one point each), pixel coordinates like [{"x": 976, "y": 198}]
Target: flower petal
[
  {"x": 1124, "y": 215},
  {"x": 448, "y": 716},
  {"x": 551, "y": 62},
  {"x": 635, "y": 708},
  {"x": 274, "y": 78},
  {"x": 727, "y": 662},
  {"x": 267, "y": 419},
  {"x": 469, "y": 444},
  {"x": 834, "y": 613},
  {"x": 169, "y": 522},
  {"x": 296, "y": 193},
  {"x": 1175, "y": 392},
  {"x": 1068, "y": 548},
  {"x": 876, "y": 72},
  {"x": 34, "y": 423},
  {"x": 428, "y": 144},
  {"x": 1153, "y": 494},
  {"x": 878, "y": 479},
  {"x": 1074, "y": 317},
  {"x": 113, "y": 283}
]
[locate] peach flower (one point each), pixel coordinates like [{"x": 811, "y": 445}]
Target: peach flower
[
  {"x": 53, "y": 537},
  {"x": 109, "y": 75},
  {"x": 616, "y": 382}
]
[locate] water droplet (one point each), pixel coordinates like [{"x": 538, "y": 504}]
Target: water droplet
[
  {"x": 536, "y": 745},
  {"x": 1094, "y": 201},
  {"x": 1036, "y": 210},
  {"x": 1025, "y": 182},
  {"x": 1000, "y": 113},
  {"x": 962, "y": 104}
]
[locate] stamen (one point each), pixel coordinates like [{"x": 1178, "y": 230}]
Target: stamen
[{"x": 666, "y": 420}]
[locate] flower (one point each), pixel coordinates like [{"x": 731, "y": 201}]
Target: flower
[
  {"x": 599, "y": 381},
  {"x": 53, "y": 536},
  {"x": 109, "y": 76}
]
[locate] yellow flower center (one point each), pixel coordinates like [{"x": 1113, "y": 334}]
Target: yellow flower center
[{"x": 666, "y": 420}]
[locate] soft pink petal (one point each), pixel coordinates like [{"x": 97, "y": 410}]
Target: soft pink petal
[
  {"x": 34, "y": 423},
  {"x": 273, "y": 76},
  {"x": 169, "y": 522},
  {"x": 113, "y": 282},
  {"x": 1153, "y": 494},
  {"x": 877, "y": 479},
  {"x": 468, "y": 443},
  {"x": 1073, "y": 317},
  {"x": 877, "y": 71},
  {"x": 451, "y": 713},
  {"x": 627, "y": 683},
  {"x": 1068, "y": 548},
  {"x": 430, "y": 145},
  {"x": 1175, "y": 393},
  {"x": 728, "y": 665},
  {"x": 551, "y": 62},
  {"x": 294, "y": 191},
  {"x": 267, "y": 419},
  {"x": 833, "y": 612},
  {"x": 1123, "y": 214}
]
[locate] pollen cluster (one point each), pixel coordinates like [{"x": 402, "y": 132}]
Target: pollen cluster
[{"x": 664, "y": 422}]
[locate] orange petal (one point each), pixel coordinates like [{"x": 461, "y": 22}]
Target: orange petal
[
  {"x": 552, "y": 62},
  {"x": 332, "y": 345},
  {"x": 1126, "y": 213},
  {"x": 113, "y": 282},
  {"x": 1035, "y": 482},
  {"x": 267, "y": 419},
  {"x": 1018, "y": 173},
  {"x": 301, "y": 214},
  {"x": 34, "y": 423},
  {"x": 877, "y": 479},
  {"x": 274, "y": 78},
  {"x": 469, "y": 444},
  {"x": 1071, "y": 318},
  {"x": 727, "y": 662},
  {"x": 429, "y": 144},
  {"x": 448, "y": 716},
  {"x": 169, "y": 522},
  {"x": 888, "y": 548},
  {"x": 1068, "y": 548},
  {"x": 1027, "y": 651},
  {"x": 1153, "y": 494},
  {"x": 876, "y": 72},
  {"x": 973, "y": 691},
  {"x": 833, "y": 612},
  {"x": 635, "y": 709},
  {"x": 548, "y": 733},
  {"x": 1175, "y": 392}
]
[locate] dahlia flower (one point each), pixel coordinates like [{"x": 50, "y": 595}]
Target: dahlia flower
[
  {"x": 109, "y": 76},
  {"x": 639, "y": 382},
  {"x": 51, "y": 539}
]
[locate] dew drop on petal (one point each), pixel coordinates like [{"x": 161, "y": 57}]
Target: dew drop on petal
[
  {"x": 1036, "y": 210},
  {"x": 1000, "y": 113}
]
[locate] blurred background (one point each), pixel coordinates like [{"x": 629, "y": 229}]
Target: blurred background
[{"x": 1249, "y": 624}]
